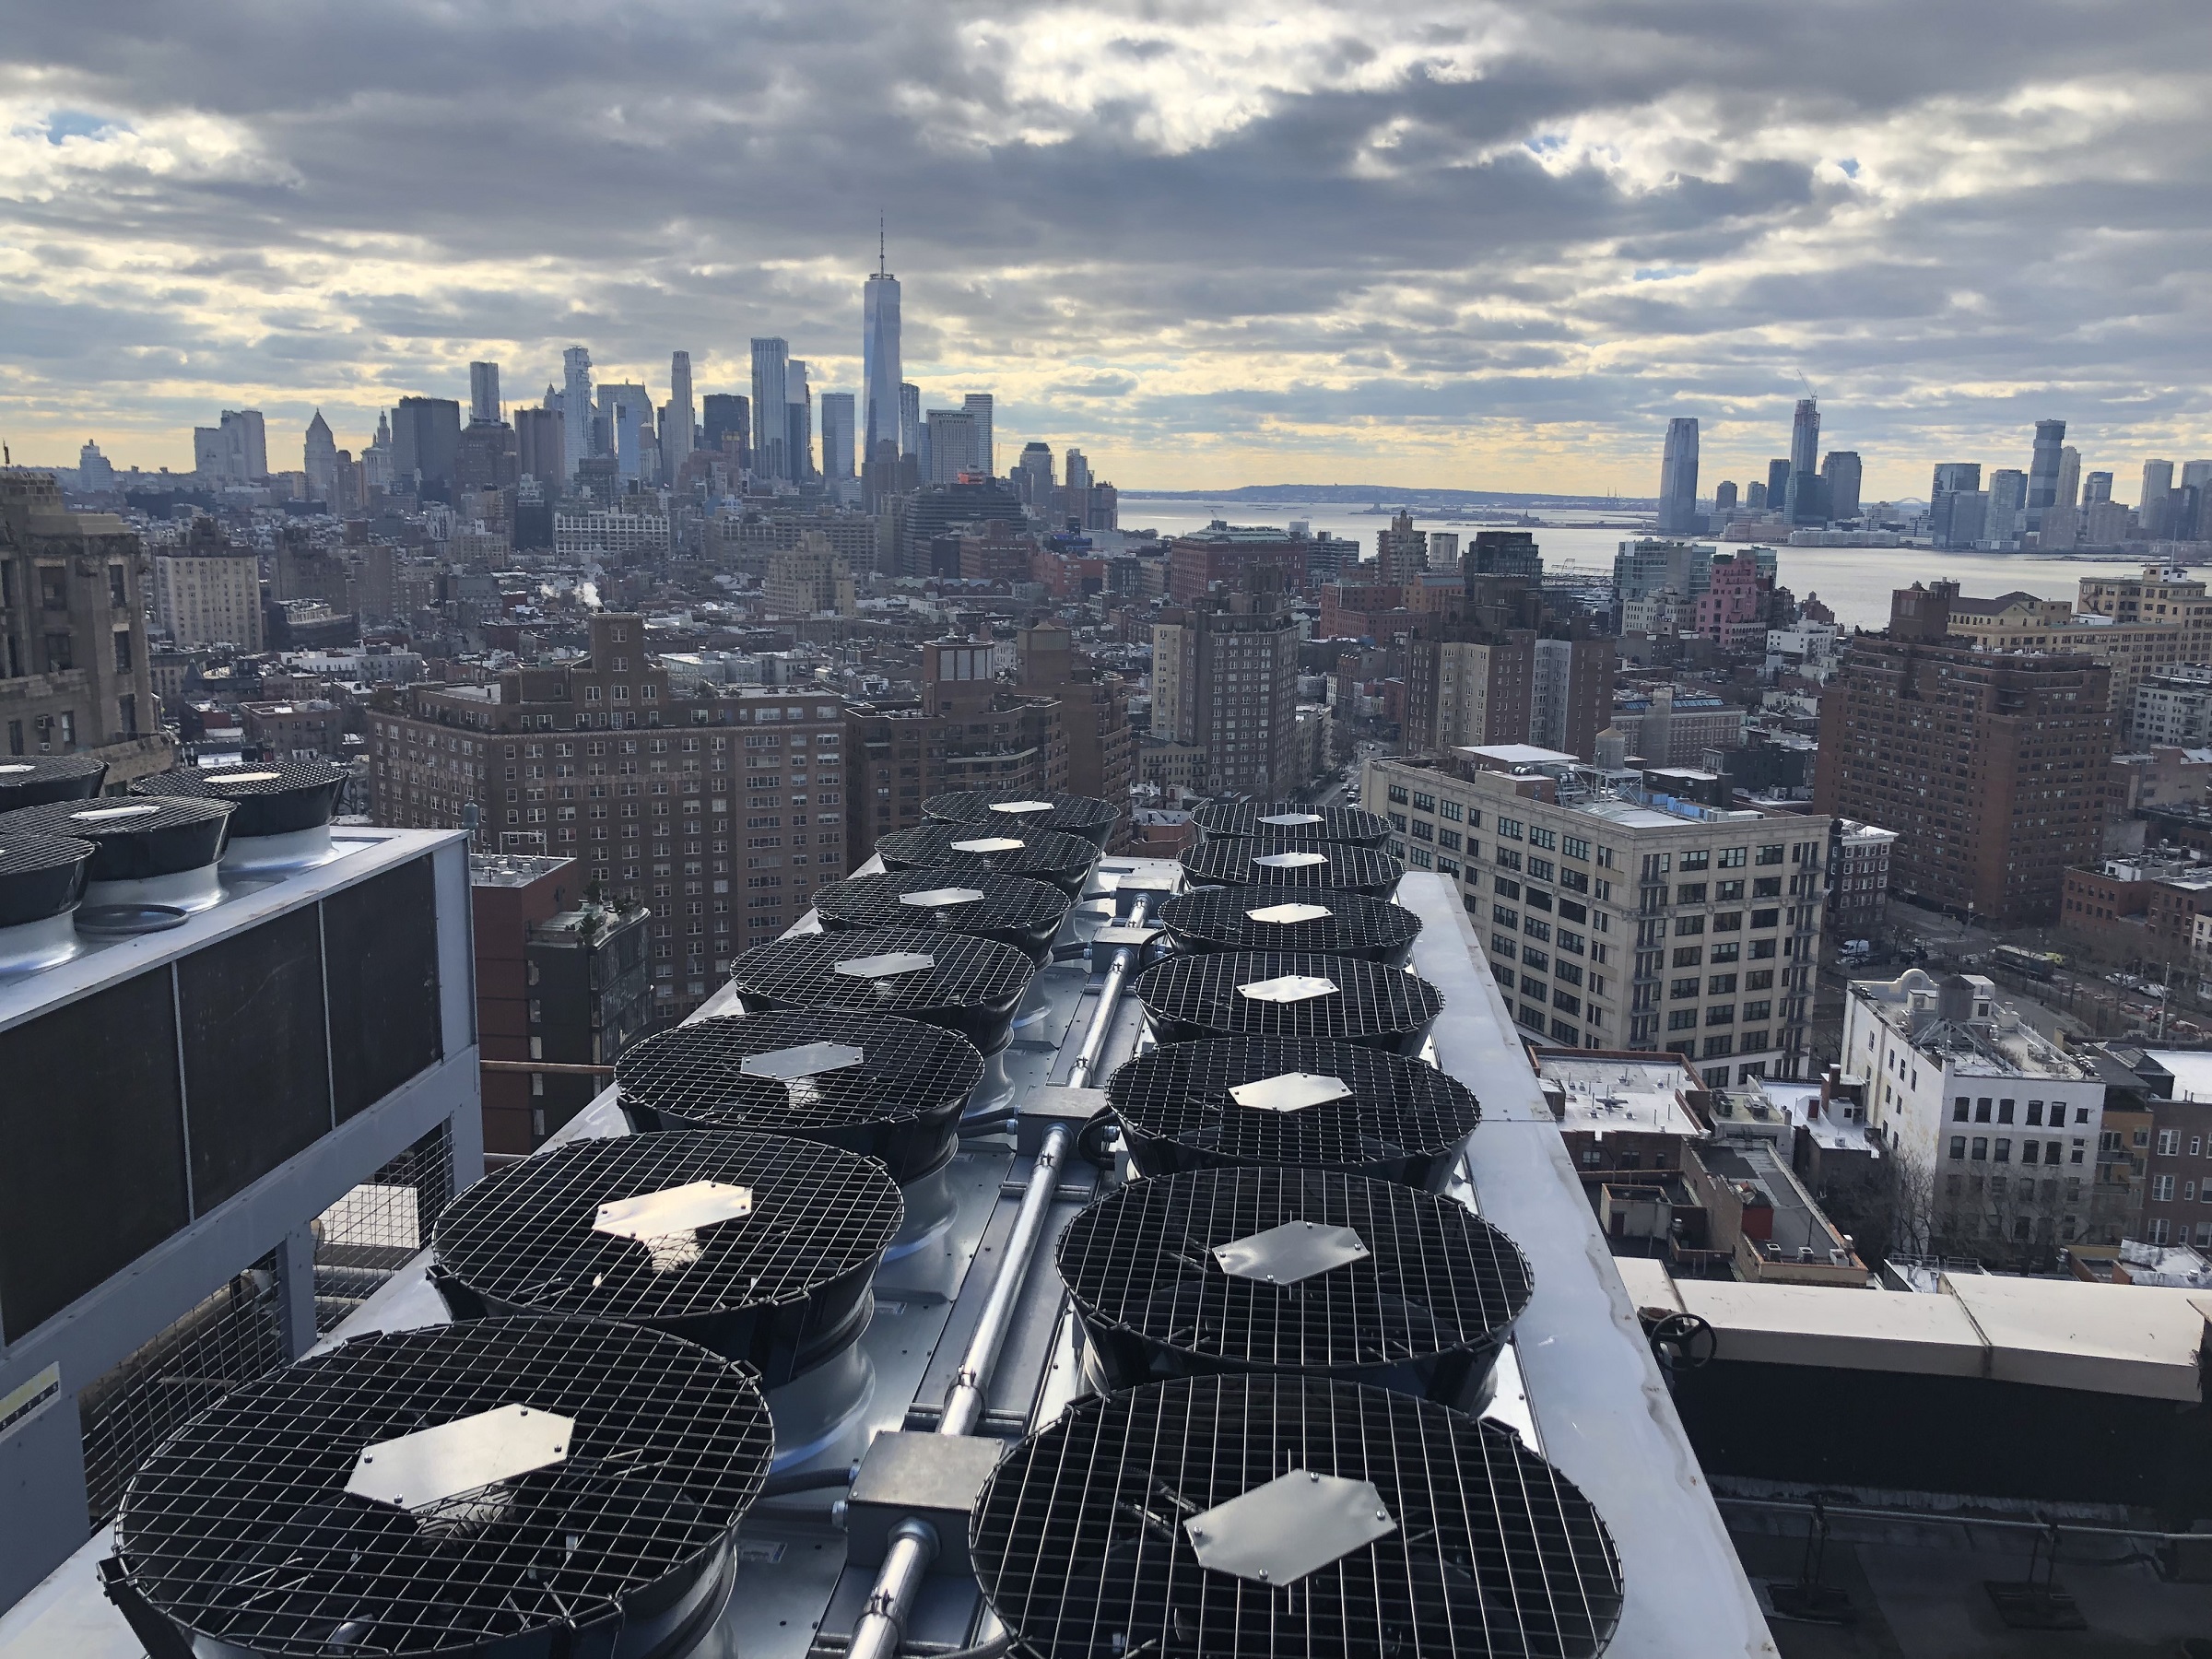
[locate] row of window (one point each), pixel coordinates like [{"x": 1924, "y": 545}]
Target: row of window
[
  {"x": 1981, "y": 1109},
  {"x": 1981, "y": 1148}
]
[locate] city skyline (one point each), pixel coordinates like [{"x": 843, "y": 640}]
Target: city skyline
[{"x": 1473, "y": 251}]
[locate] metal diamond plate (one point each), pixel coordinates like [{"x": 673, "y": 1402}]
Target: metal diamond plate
[
  {"x": 680, "y": 1209},
  {"x": 1289, "y": 1091},
  {"x": 804, "y": 1060},
  {"x": 433, "y": 1465},
  {"x": 1295, "y": 1524},
  {"x": 1291, "y": 861},
  {"x": 1284, "y": 914},
  {"x": 886, "y": 965},
  {"x": 1290, "y": 988},
  {"x": 939, "y": 898},
  {"x": 1293, "y": 1252}
]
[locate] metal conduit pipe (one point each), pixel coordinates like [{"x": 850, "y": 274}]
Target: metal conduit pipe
[
  {"x": 905, "y": 1564},
  {"x": 913, "y": 1542},
  {"x": 1110, "y": 996},
  {"x": 964, "y": 1400}
]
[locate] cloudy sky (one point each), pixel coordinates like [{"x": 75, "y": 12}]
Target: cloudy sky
[{"x": 1480, "y": 245}]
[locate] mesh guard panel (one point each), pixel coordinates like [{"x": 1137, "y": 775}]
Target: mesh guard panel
[
  {"x": 1402, "y": 1121},
  {"x": 1079, "y": 1543},
  {"x": 239, "y": 1527}
]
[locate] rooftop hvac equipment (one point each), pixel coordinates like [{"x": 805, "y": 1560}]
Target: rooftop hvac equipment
[
  {"x": 1290, "y": 820},
  {"x": 153, "y": 861},
  {"x": 1011, "y": 909},
  {"x": 1276, "y": 1517},
  {"x": 283, "y": 814},
  {"x": 971, "y": 986},
  {"x": 42, "y": 880},
  {"x": 513, "y": 1488},
  {"x": 1259, "y": 918},
  {"x": 1065, "y": 861},
  {"x": 1294, "y": 866},
  {"x": 1287, "y": 993},
  {"x": 888, "y": 1088},
  {"x": 1277, "y": 1100},
  {"x": 758, "y": 1246},
  {"x": 1021, "y": 811},
  {"x": 36, "y": 780},
  {"x": 1292, "y": 1270}
]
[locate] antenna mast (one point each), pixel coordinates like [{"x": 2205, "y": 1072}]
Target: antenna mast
[{"x": 881, "y": 261}]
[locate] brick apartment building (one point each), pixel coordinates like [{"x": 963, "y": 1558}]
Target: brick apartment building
[
  {"x": 1990, "y": 766},
  {"x": 721, "y": 811}
]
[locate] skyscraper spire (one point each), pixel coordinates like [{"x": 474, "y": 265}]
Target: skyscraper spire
[{"x": 882, "y": 261}]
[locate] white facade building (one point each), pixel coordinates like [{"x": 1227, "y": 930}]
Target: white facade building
[{"x": 2005, "y": 1122}]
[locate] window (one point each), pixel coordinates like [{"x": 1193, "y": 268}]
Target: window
[
  {"x": 1981, "y": 1110},
  {"x": 1504, "y": 917},
  {"x": 1449, "y": 812},
  {"x": 1689, "y": 955},
  {"x": 1771, "y": 855},
  {"x": 1682, "y": 1019},
  {"x": 1502, "y": 947},
  {"x": 2004, "y": 1152},
  {"x": 1535, "y": 960},
  {"x": 2161, "y": 1189},
  {"x": 2035, "y": 1113},
  {"x": 1721, "y": 1014},
  {"x": 1720, "y": 984},
  {"x": 1766, "y": 886},
  {"x": 1535, "y": 929},
  {"x": 1573, "y": 847},
  {"x": 1695, "y": 860},
  {"x": 1683, "y": 990},
  {"x": 1539, "y": 837},
  {"x": 1727, "y": 950},
  {"x": 1981, "y": 1149},
  {"x": 1688, "y": 926},
  {"x": 1423, "y": 803},
  {"x": 2169, "y": 1141},
  {"x": 1511, "y": 828},
  {"x": 1732, "y": 858},
  {"x": 2005, "y": 1112},
  {"x": 1690, "y": 892},
  {"x": 1959, "y": 1145}
]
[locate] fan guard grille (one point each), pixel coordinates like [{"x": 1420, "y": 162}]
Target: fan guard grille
[
  {"x": 239, "y": 1527},
  {"x": 1402, "y": 1118},
  {"x": 1221, "y": 819},
  {"x": 525, "y": 1235},
  {"x": 1436, "y": 1279},
  {"x": 1078, "y": 1542},
  {"x": 692, "y": 1074},
  {"x": 1047, "y": 855},
  {"x": 1190, "y": 996},
  {"x": 1220, "y": 919},
  {"x": 1230, "y": 863}
]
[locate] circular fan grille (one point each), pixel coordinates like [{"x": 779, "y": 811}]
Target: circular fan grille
[
  {"x": 1010, "y": 909},
  {"x": 1401, "y": 1120},
  {"x": 272, "y": 798},
  {"x": 526, "y": 1238},
  {"x": 1304, "y": 866},
  {"x": 1290, "y": 820},
  {"x": 1016, "y": 811},
  {"x": 133, "y": 838},
  {"x": 1193, "y": 996},
  {"x": 34, "y": 780},
  {"x": 968, "y": 985},
  {"x": 898, "y": 1101},
  {"x": 1079, "y": 1536},
  {"x": 692, "y": 1074},
  {"x": 1065, "y": 861},
  {"x": 1350, "y": 923},
  {"x": 1435, "y": 1281},
  {"x": 40, "y": 876},
  {"x": 240, "y": 1528}
]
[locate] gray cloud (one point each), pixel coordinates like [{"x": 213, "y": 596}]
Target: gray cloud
[{"x": 1403, "y": 243}]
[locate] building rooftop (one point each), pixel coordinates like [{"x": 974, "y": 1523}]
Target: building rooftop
[
  {"x": 510, "y": 869},
  {"x": 1959, "y": 1018},
  {"x": 1620, "y": 1093},
  {"x": 1512, "y": 757}
]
